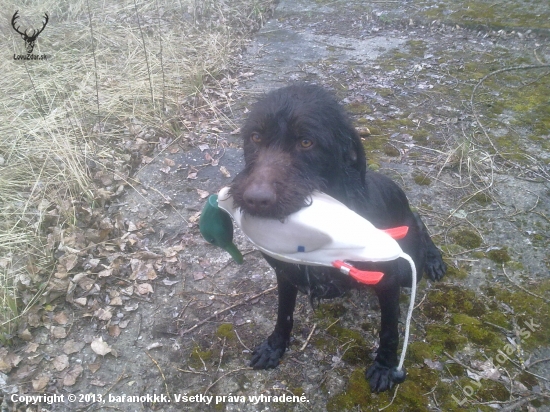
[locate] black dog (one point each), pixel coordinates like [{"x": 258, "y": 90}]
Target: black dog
[{"x": 298, "y": 139}]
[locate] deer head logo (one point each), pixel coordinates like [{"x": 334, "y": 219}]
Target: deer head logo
[{"x": 30, "y": 38}]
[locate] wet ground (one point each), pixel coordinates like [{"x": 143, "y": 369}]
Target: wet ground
[{"x": 407, "y": 71}]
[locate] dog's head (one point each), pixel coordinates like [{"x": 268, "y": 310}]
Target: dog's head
[{"x": 296, "y": 139}]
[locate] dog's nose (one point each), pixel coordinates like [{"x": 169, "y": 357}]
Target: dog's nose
[{"x": 259, "y": 197}]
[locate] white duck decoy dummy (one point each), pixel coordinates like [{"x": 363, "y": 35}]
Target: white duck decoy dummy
[{"x": 325, "y": 233}]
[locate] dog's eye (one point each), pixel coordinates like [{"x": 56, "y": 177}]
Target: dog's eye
[
  {"x": 255, "y": 138},
  {"x": 306, "y": 143}
]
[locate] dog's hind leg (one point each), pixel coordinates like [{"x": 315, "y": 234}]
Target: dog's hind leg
[
  {"x": 268, "y": 353},
  {"x": 435, "y": 268}
]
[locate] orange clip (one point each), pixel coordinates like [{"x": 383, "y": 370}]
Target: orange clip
[
  {"x": 362, "y": 276},
  {"x": 397, "y": 232}
]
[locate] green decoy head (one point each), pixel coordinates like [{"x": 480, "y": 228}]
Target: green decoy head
[{"x": 216, "y": 227}]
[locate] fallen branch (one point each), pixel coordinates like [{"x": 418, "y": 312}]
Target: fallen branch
[{"x": 219, "y": 312}]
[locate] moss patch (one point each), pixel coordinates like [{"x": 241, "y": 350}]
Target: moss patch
[
  {"x": 198, "y": 356},
  {"x": 418, "y": 351},
  {"x": 466, "y": 238},
  {"x": 526, "y": 14},
  {"x": 225, "y": 330},
  {"x": 532, "y": 313},
  {"x": 358, "y": 395},
  {"x": 499, "y": 255},
  {"x": 444, "y": 338},
  {"x": 422, "y": 179},
  {"x": 450, "y": 299},
  {"x": 477, "y": 332},
  {"x": 456, "y": 273}
]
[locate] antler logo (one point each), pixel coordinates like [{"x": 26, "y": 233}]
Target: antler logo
[{"x": 30, "y": 38}]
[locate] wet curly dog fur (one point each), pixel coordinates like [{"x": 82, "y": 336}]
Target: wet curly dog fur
[{"x": 298, "y": 139}]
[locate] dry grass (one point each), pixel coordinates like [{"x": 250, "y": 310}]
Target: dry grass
[{"x": 109, "y": 67}]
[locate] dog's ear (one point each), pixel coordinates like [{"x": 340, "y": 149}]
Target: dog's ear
[{"x": 355, "y": 154}]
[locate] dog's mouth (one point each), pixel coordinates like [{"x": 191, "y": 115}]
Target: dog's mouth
[
  {"x": 272, "y": 201},
  {"x": 279, "y": 207}
]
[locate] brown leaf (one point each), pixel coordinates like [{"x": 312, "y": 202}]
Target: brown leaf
[
  {"x": 146, "y": 254},
  {"x": 114, "y": 331},
  {"x": 7, "y": 360},
  {"x": 60, "y": 362},
  {"x": 203, "y": 194},
  {"x": 33, "y": 319},
  {"x": 58, "y": 332},
  {"x": 72, "y": 375},
  {"x": 173, "y": 250},
  {"x": 94, "y": 367},
  {"x": 169, "y": 162},
  {"x": 61, "y": 318},
  {"x": 81, "y": 301},
  {"x": 104, "y": 273},
  {"x": 116, "y": 301},
  {"x": 141, "y": 270},
  {"x": 31, "y": 347},
  {"x": 198, "y": 275},
  {"x": 82, "y": 280},
  {"x": 25, "y": 335},
  {"x": 224, "y": 171},
  {"x": 100, "y": 347},
  {"x": 97, "y": 382},
  {"x": 69, "y": 261},
  {"x": 72, "y": 347},
  {"x": 103, "y": 314},
  {"x": 40, "y": 382},
  {"x": 144, "y": 288}
]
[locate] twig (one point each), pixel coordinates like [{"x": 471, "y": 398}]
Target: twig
[
  {"x": 522, "y": 288},
  {"x": 221, "y": 355},
  {"x": 538, "y": 361},
  {"x": 95, "y": 64},
  {"x": 392, "y": 399},
  {"x": 224, "y": 375},
  {"x": 458, "y": 362},
  {"x": 161, "y": 62},
  {"x": 239, "y": 338},
  {"x": 503, "y": 330},
  {"x": 219, "y": 312},
  {"x": 332, "y": 324},
  {"x": 309, "y": 337},
  {"x": 194, "y": 372},
  {"x": 514, "y": 406},
  {"x": 161, "y": 374},
  {"x": 145, "y": 52}
]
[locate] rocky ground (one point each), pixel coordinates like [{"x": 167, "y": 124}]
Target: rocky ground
[{"x": 456, "y": 103}]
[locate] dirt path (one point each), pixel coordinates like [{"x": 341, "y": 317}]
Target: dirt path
[{"x": 408, "y": 75}]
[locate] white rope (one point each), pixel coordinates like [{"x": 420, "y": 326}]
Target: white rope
[{"x": 409, "y": 312}]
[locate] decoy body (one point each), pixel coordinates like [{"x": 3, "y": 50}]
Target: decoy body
[{"x": 325, "y": 233}]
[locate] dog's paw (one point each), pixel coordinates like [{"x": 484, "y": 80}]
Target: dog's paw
[
  {"x": 266, "y": 356},
  {"x": 381, "y": 378},
  {"x": 435, "y": 266}
]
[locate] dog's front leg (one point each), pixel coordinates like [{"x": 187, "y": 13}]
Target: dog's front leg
[
  {"x": 382, "y": 375},
  {"x": 268, "y": 353}
]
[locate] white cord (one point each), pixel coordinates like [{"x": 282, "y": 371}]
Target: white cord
[{"x": 409, "y": 313}]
